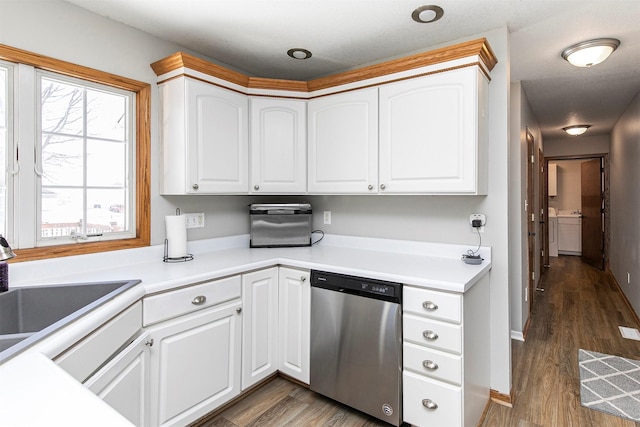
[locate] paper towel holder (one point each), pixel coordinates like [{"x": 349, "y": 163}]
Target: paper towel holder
[{"x": 165, "y": 258}]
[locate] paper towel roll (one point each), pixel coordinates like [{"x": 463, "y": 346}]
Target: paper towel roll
[{"x": 176, "y": 236}]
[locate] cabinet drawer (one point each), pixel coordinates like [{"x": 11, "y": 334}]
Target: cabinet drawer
[
  {"x": 438, "y": 305},
  {"x": 164, "y": 306},
  {"x": 432, "y": 363},
  {"x": 432, "y": 333},
  {"x": 428, "y": 402}
]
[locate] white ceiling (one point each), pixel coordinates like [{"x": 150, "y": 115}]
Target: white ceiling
[{"x": 253, "y": 36}]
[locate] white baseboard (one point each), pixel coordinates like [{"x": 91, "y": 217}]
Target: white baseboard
[{"x": 515, "y": 335}]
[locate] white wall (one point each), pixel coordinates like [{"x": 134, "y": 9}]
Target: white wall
[
  {"x": 522, "y": 118},
  {"x": 624, "y": 159},
  {"x": 576, "y": 145},
  {"x": 569, "y": 186},
  {"x": 63, "y": 31}
]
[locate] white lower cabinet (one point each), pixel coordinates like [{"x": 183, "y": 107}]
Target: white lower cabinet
[
  {"x": 294, "y": 323},
  {"x": 259, "y": 325},
  {"x": 123, "y": 383},
  {"x": 445, "y": 356},
  {"x": 195, "y": 358}
]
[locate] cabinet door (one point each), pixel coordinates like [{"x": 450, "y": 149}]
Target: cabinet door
[
  {"x": 259, "y": 325},
  {"x": 294, "y": 312},
  {"x": 123, "y": 383},
  {"x": 432, "y": 134},
  {"x": 195, "y": 364},
  {"x": 278, "y": 146},
  {"x": 343, "y": 143},
  {"x": 217, "y": 139}
]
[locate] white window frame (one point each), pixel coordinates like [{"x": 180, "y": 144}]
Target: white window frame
[
  {"x": 130, "y": 167},
  {"x": 11, "y": 164},
  {"x": 22, "y": 227}
]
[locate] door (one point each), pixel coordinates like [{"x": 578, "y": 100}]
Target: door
[
  {"x": 259, "y": 325},
  {"x": 343, "y": 143},
  {"x": 531, "y": 230},
  {"x": 294, "y": 317},
  {"x": 218, "y": 141},
  {"x": 123, "y": 382},
  {"x": 544, "y": 213},
  {"x": 592, "y": 212},
  {"x": 278, "y": 146},
  {"x": 429, "y": 134},
  {"x": 195, "y": 364}
]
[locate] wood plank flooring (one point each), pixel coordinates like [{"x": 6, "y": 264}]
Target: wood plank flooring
[
  {"x": 580, "y": 308},
  {"x": 281, "y": 402}
]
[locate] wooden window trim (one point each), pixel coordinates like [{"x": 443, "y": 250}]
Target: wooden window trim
[{"x": 143, "y": 153}]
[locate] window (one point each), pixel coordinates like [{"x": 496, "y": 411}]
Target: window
[
  {"x": 86, "y": 189},
  {"x": 86, "y": 153}
]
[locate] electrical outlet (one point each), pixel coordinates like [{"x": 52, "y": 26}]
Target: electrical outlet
[
  {"x": 194, "y": 220},
  {"x": 327, "y": 217},
  {"x": 477, "y": 217}
]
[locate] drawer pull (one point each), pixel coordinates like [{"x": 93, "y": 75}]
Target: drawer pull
[
  {"x": 430, "y": 306},
  {"x": 430, "y": 365},
  {"x": 430, "y": 335},
  {"x": 199, "y": 300},
  {"x": 429, "y": 404}
]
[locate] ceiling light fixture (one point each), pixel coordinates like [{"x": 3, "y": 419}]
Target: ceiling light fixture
[
  {"x": 298, "y": 53},
  {"x": 576, "y": 130},
  {"x": 591, "y": 52},
  {"x": 427, "y": 14}
]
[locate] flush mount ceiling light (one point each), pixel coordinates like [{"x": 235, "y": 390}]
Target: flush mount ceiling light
[
  {"x": 576, "y": 129},
  {"x": 298, "y": 53},
  {"x": 590, "y": 52},
  {"x": 427, "y": 14}
]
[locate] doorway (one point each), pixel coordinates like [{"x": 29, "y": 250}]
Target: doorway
[{"x": 581, "y": 203}]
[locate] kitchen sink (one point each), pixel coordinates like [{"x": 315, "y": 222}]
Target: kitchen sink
[{"x": 29, "y": 314}]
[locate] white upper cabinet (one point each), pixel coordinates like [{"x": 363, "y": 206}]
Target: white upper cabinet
[
  {"x": 433, "y": 134},
  {"x": 278, "y": 146},
  {"x": 205, "y": 138},
  {"x": 343, "y": 143}
]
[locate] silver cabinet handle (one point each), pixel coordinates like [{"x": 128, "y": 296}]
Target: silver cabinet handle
[
  {"x": 430, "y": 335},
  {"x": 429, "y": 305},
  {"x": 382, "y": 186},
  {"x": 199, "y": 300},
  {"x": 429, "y": 404},
  {"x": 370, "y": 187},
  {"x": 149, "y": 343},
  {"x": 195, "y": 186},
  {"x": 256, "y": 187},
  {"x": 239, "y": 310},
  {"x": 430, "y": 365}
]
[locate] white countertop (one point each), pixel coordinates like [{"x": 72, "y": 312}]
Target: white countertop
[{"x": 435, "y": 266}]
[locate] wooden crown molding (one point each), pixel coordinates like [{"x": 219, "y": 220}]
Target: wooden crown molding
[{"x": 478, "y": 47}]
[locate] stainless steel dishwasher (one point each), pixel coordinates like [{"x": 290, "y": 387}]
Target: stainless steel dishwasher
[{"x": 356, "y": 343}]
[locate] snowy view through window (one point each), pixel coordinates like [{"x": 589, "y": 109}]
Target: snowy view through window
[{"x": 85, "y": 160}]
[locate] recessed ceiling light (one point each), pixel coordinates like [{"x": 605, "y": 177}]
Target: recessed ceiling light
[
  {"x": 298, "y": 53},
  {"x": 427, "y": 14},
  {"x": 590, "y": 52},
  {"x": 576, "y": 130}
]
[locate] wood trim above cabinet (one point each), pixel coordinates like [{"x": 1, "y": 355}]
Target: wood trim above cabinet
[{"x": 479, "y": 48}]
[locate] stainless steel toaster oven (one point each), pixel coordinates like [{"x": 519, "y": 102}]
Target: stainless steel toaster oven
[{"x": 280, "y": 225}]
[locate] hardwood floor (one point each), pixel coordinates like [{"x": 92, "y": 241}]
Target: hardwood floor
[
  {"x": 580, "y": 308},
  {"x": 281, "y": 402}
]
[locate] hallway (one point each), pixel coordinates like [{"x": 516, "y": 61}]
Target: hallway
[{"x": 580, "y": 308}]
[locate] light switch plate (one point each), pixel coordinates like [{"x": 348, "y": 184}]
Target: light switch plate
[{"x": 194, "y": 220}]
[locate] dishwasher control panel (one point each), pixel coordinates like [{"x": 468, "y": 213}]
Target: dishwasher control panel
[{"x": 361, "y": 286}]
